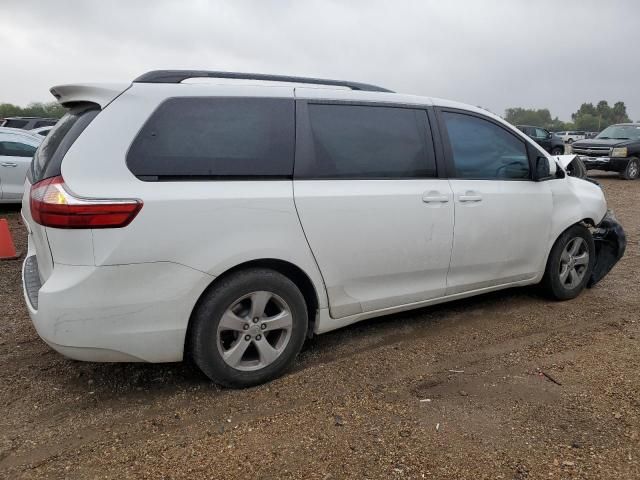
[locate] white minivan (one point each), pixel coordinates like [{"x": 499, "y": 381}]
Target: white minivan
[{"x": 229, "y": 220}]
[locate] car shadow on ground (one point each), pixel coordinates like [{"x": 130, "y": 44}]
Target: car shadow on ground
[{"x": 161, "y": 380}]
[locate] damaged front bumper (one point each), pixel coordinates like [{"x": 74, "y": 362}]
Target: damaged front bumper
[{"x": 610, "y": 242}]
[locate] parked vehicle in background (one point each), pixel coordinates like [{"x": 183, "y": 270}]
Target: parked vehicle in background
[
  {"x": 571, "y": 136},
  {"x": 298, "y": 210},
  {"x": 551, "y": 143},
  {"x": 615, "y": 149},
  {"x": 28, "y": 123},
  {"x": 42, "y": 131},
  {"x": 591, "y": 135},
  {"x": 16, "y": 151}
]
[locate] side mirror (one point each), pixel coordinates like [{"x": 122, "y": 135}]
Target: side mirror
[
  {"x": 544, "y": 169},
  {"x": 549, "y": 134}
]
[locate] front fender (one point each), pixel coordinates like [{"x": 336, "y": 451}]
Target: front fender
[{"x": 574, "y": 200}]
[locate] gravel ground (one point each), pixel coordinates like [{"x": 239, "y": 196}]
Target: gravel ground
[{"x": 454, "y": 391}]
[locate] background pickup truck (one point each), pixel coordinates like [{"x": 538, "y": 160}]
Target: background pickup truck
[{"x": 615, "y": 149}]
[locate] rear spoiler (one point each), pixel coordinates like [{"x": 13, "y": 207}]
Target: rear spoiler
[{"x": 100, "y": 93}]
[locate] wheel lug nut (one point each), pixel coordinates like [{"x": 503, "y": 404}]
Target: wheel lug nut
[
  {"x": 258, "y": 337},
  {"x": 255, "y": 320},
  {"x": 247, "y": 337},
  {"x": 246, "y": 326},
  {"x": 263, "y": 326}
]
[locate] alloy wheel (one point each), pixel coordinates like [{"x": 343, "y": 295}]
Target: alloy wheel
[
  {"x": 574, "y": 263},
  {"x": 254, "y": 331}
]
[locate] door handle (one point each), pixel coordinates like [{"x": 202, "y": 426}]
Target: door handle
[
  {"x": 9, "y": 164},
  {"x": 434, "y": 197},
  {"x": 470, "y": 196}
]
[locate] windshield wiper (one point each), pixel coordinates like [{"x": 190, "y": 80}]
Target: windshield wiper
[
  {"x": 604, "y": 138},
  {"x": 621, "y": 138}
]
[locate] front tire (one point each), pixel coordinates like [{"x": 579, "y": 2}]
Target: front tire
[
  {"x": 632, "y": 171},
  {"x": 557, "y": 151},
  {"x": 570, "y": 264},
  {"x": 249, "y": 328}
]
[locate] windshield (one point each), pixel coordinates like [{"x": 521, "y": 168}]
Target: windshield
[{"x": 621, "y": 132}]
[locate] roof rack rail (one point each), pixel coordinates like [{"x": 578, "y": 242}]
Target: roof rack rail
[{"x": 177, "y": 76}]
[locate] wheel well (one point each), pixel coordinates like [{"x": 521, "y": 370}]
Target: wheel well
[
  {"x": 586, "y": 222},
  {"x": 289, "y": 270}
]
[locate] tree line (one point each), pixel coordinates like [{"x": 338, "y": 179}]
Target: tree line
[
  {"x": 588, "y": 117},
  {"x": 35, "y": 109}
]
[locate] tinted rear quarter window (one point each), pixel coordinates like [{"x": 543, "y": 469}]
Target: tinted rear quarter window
[
  {"x": 215, "y": 138},
  {"x": 47, "y": 161},
  {"x": 361, "y": 142}
]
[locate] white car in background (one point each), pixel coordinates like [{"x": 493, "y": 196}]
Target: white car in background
[
  {"x": 230, "y": 222},
  {"x": 42, "y": 131},
  {"x": 571, "y": 136},
  {"x": 16, "y": 151}
]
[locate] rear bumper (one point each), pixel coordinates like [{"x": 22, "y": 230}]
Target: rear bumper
[
  {"x": 604, "y": 163},
  {"x": 119, "y": 313}
]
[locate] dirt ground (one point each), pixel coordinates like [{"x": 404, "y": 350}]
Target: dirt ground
[{"x": 453, "y": 391}]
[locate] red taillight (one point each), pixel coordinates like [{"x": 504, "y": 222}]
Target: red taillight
[{"x": 52, "y": 205}]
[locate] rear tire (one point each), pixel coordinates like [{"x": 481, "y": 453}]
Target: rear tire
[
  {"x": 249, "y": 328},
  {"x": 557, "y": 151},
  {"x": 632, "y": 171},
  {"x": 570, "y": 264}
]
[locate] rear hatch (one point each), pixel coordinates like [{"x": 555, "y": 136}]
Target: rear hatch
[{"x": 47, "y": 163}]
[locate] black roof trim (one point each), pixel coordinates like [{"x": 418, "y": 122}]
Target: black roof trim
[{"x": 177, "y": 76}]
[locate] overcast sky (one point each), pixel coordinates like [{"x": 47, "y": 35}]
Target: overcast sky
[{"x": 496, "y": 54}]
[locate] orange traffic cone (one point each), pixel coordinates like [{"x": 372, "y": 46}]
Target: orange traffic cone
[{"x": 7, "y": 249}]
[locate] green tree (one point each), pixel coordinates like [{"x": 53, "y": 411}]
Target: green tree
[
  {"x": 539, "y": 118},
  {"x": 620, "y": 113},
  {"x": 35, "y": 109},
  {"x": 559, "y": 126},
  {"x": 525, "y": 116},
  {"x": 603, "y": 109},
  {"x": 588, "y": 122},
  {"x": 585, "y": 109},
  {"x": 596, "y": 118}
]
